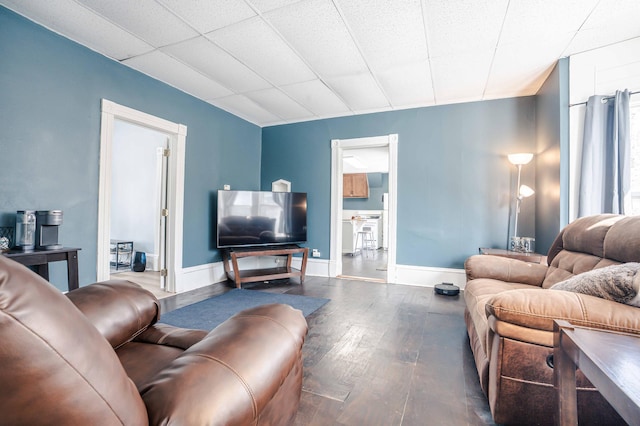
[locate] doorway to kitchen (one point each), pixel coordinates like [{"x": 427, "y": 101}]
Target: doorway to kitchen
[{"x": 363, "y": 208}]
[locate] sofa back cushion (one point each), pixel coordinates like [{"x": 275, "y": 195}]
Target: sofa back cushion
[
  {"x": 56, "y": 367},
  {"x": 594, "y": 242},
  {"x": 120, "y": 310}
]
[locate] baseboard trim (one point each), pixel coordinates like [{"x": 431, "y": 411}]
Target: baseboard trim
[
  {"x": 426, "y": 276},
  {"x": 203, "y": 275}
]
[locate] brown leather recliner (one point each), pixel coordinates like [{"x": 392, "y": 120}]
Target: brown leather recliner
[
  {"x": 510, "y": 312},
  {"x": 97, "y": 357}
]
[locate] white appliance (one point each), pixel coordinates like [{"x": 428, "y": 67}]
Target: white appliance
[{"x": 385, "y": 221}]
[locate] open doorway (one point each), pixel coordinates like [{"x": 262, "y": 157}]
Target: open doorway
[
  {"x": 138, "y": 198},
  {"x": 167, "y": 222},
  {"x": 365, "y": 177},
  {"x": 363, "y": 230}
]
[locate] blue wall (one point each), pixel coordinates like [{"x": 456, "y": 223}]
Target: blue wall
[
  {"x": 552, "y": 159},
  {"x": 50, "y": 93},
  {"x": 454, "y": 179},
  {"x": 378, "y": 185}
]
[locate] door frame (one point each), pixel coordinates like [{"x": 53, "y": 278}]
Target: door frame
[
  {"x": 338, "y": 146},
  {"x": 177, "y": 134}
]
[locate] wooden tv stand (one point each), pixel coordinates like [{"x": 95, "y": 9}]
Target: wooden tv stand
[{"x": 252, "y": 275}]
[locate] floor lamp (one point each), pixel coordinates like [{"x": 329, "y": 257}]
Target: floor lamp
[{"x": 522, "y": 191}]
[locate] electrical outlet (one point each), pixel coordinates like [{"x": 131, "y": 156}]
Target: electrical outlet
[
  {"x": 227, "y": 187},
  {"x": 315, "y": 253}
]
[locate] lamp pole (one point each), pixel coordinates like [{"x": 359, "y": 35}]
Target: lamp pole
[{"x": 518, "y": 200}]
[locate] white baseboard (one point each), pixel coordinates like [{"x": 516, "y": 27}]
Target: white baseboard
[
  {"x": 425, "y": 276},
  {"x": 199, "y": 276},
  {"x": 203, "y": 275}
]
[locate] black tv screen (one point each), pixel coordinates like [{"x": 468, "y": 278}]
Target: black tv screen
[{"x": 258, "y": 218}]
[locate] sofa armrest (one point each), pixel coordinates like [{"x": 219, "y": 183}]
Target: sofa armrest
[
  {"x": 119, "y": 309},
  {"x": 537, "y": 308},
  {"x": 504, "y": 269},
  {"x": 233, "y": 373},
  {"x": 169, "y": 335}
]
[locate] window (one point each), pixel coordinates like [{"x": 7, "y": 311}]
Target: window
[{"x": 634, "y": 111}]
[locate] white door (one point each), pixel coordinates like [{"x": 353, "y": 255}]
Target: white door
[{"x": 162, "y": 211}]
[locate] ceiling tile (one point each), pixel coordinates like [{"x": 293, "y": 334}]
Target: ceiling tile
[
  {"x": 146, "y": 19},
  {"x": 331, "y": 51},
  {"x": 360, "y": 92},
  {"x": 408, "y": 85},
  {"x": 466, "y": 26},
  {"x": 245, "y": 108},
  {"x": 209, "y": 15},
  {"x": 389, "y": 32},
  {"x": 543, "y": 18},
  {"x": 624, "y": 13},
  {"x": 522, "y": 74},
  {"x": 610, "y": 22},
  {"x": 256, "y": 45},
  {"x": 81, "y": 25},
  {"x": 267, "y": 5},
  {"x": 203, "y": 55},
  {"x": 461, "y": 77},
  {"x": 278, "y": 103},
  {"x": 317, "y": 98},
  {"x": 165, "y": 68},
  {"x": 593, "y": 38}
]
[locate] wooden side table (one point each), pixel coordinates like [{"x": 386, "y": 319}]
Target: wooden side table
[
  {"x": 40, "y": 260},
  {"x": 526, "y": 257},
  {"x": 610, "y": 360}
]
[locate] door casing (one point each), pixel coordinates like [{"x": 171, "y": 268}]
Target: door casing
[
  {"x": 175, "y": 187},
  {"x": 338, "y": 147}
]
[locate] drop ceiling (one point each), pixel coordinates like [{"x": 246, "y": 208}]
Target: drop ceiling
[{"x": 282, "y": 61}]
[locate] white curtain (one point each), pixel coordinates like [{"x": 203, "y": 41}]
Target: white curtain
[{"x": 605, "y": 179}]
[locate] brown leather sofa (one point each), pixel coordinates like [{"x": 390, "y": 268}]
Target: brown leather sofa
[
  {"x": 510, "y": 311},
  {"x": 97, "y": 357}
]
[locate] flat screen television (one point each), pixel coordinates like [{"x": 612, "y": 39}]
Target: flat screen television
[{"x": 261, "y": 218}]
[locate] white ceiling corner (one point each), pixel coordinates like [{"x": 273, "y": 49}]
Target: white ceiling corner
[{"x": 283, "y": 61}]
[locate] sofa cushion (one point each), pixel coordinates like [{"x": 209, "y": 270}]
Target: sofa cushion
[
  {"x": 476, "y": 295},
  {"x": 621, "y": 242},
  {"x": 587, "y": 234},
  {"x": 619, "y": 283},
  {"x": 119, "y": 309},
  {"x": 56, "y": 367},
  {"x": 568, "y": 264}
]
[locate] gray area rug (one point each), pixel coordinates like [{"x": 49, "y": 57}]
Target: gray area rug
[{"x": 209, "y": 313}]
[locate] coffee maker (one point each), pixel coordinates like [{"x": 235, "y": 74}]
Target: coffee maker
[
  {"x": 47, "y": 224},
  {"x": 25, "y": 230}
]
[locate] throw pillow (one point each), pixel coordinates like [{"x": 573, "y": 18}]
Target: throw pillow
[{"x": 620, "y": 283}]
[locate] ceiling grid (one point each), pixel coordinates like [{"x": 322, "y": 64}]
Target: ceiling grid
[{"x": 283, "y": 61}]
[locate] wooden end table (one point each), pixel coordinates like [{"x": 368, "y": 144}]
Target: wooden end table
[
  {"x": 525, "y": 257},
  {"x": 610, "y": 360}
]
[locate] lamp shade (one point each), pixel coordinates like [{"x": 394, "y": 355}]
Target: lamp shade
[
  {"x": 520, "y": 158},
  {"x": 525, "y": 191}
]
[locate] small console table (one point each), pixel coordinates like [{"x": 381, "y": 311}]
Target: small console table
[
  {"x": 232, "y": 255},
  {"x": 40, "y": 260}
]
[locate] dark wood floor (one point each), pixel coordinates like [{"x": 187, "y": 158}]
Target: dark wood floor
[{"x": 380, "y": 354}]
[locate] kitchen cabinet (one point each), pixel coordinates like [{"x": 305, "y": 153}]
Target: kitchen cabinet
[{"x": 355, "y": 185}]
